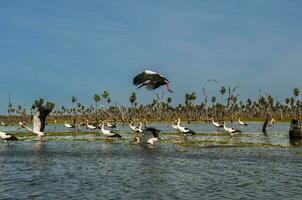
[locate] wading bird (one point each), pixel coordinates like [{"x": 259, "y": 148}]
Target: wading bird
[
  {"x": 69, "y": 125},
  {"x": 109, "y": 133},
  {"x": 174, "y": 126},
  {"x": 242, "y": 123},
  {"x": 6, "y": 137},
  {"x": 89, "y": 126},
  {"x": 216, "y": 124},
  {"x": 4, "y": 124},
  {"x": 39, "y": 121},
  {"x": 231, "y": 131},
  {"x": 151, "y": 80},
  {"x": 184, "y": 130},
  {"x": 136, "y": 129}
]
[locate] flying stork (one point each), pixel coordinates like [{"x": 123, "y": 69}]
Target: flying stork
[
  {"x": 148, "y": 136},
  {"x": 39, "y": 120},
  {"x": 151, "y": 80}
]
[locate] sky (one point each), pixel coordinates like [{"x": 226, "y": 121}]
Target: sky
[{"x": 59, "y": 49}]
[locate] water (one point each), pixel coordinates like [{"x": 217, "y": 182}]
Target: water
[
  {"x": 78, "y": 170},
  {"x": 90, "y": 169},
  {"x": 254, "y": 127}
]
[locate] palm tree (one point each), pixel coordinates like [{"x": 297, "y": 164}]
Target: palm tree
[
  {"x": 296, "y": 92},
  {"x": 73, "y": 100},
  {"x": 222, "y": 92},
  {"x": 213, "y": 99},
  {"x": 132, "y": 98},
  {"x": 105, "y": 95}
]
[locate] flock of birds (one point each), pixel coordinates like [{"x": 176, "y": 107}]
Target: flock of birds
[
  {"x": 143, "y": 135},
  {"x": 147, "y": 135}
]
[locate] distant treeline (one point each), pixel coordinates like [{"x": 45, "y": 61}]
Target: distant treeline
[{"x": 161, "y": 109}]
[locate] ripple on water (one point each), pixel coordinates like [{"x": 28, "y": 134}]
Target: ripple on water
[{"x": 81, "y": 170}]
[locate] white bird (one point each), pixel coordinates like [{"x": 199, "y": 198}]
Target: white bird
[
  {"x": 151, "y": 80},
  {"x": 112, "y": 126},
  {"x": 91, "y": 127},
  {"x": 39, "y": 120},
  {"x": 272, "y": 122},
  {"x": 216, "y": 124},
  {"x": 3, "y": 124},
  {"x": 136, "y": 129},
  {"x": 6, "y": 137},
  {"x": 183, "y": 129},
  {"x": 148, "y": 136},
  {"x": 109, "y": 133},
  {"x": 68, "y": 125},
  {"x": 174, "y": 126},
  {"x": 242, "y": 123},
  {"x": 231, "y": 131}
]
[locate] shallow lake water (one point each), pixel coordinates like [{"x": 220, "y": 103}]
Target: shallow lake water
[
  {"x": 219, "y": 167},
  {"x": 81, "y": 169}
]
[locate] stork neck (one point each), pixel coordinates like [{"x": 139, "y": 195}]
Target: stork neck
[{"x": 29, "y": 129}]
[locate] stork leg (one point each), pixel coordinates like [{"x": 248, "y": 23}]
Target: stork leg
[{"x": 7, "y": 143}]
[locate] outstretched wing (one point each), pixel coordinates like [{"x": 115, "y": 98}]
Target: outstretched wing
[
  {"x": 151, "y": 80},
  {"x": 40, "y": 118},
  {"x": 151, "y": 132}
]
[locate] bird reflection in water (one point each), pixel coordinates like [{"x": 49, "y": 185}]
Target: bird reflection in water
[{"x": 39, "y": 146}]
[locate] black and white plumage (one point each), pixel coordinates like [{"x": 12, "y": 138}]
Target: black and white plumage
[
  {"x": 109, "y": 133},
  {"x": 136, "y": 129},
  {"x": 231, "y": 131},
  {"x": 67, "y": 125},
  {"x": 73, "y": 125},
  {"x": 216, "y": 124},
  {"x": 148, "y": 136},
  {"x": 90, "y": 126},
  {"x": 151, "y": 80},
  {"x": 4, "y": 124},
  {"x": 39, "y": 121},
  {"x": 6, "y": 137},
  {"x": 242, "y": 123},
  {"x": 174, "y": 126},
  {"x": 184, "y": 130},
  {"x": 112, "y": 126}
]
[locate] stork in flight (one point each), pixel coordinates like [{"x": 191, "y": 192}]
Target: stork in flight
[
  {"x": 148, "y": 136},
  {"x": 39, "y": 121},
  {"x": 242, "y": 123},
  {"x": 151, "y": 80},
  {"x": 6, "y": 137},
  {"x": 231, "y": 131}
]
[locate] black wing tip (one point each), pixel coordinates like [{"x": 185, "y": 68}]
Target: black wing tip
[{"x": 12, "y": 137}]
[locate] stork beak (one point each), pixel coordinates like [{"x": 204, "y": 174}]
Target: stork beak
[{"x": 168, "y": 88}]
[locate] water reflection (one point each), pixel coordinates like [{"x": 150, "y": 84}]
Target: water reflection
[
  {"x": 38, "y": 146},
  {"x": 296, "y": 142}
]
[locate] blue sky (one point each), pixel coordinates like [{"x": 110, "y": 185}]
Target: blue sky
[{"x": 59, "y": 49}]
